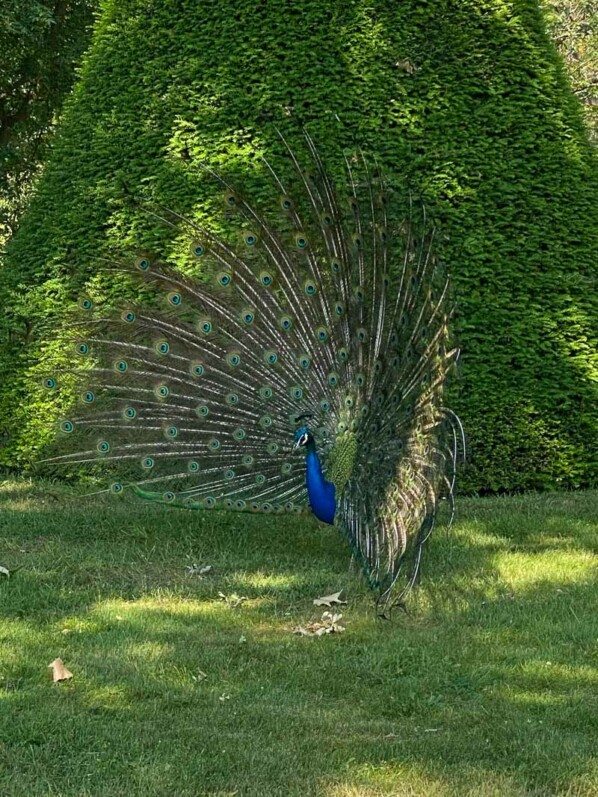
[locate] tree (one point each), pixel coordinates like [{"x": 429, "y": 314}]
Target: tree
[
  {"x": 466, "y": 100},
  {"x": 41, "y": 42}
]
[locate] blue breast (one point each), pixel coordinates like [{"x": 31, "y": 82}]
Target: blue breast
[{"x": 320, "y": 492}]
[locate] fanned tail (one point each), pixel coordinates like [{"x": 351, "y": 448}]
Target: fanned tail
[{"x": 337, "y": 313}]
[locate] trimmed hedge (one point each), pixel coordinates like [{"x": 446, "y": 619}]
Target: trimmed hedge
[{"x": 467, "y": 100}]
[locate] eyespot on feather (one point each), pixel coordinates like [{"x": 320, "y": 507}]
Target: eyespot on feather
[
  {"x": 204, "y": 325},
  {"x": 142, "y": 263},
  {"x": 197, "y": 249}
]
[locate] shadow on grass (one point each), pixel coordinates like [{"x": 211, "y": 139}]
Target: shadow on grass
[{"x": 487, "y": 687}]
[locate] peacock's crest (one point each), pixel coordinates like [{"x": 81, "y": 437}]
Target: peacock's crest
[{"x": 329, "y": 326}]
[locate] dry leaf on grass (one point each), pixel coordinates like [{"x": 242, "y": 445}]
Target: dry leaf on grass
[
  {"x": 233, "y": 600},
  {"x": 4, "y": 571},
  {"x": 330, "y": 600},
  {"x": 329, "y": 624},
  {"x": 200, "y": 570},
  {"x": 59, "y": 671}
]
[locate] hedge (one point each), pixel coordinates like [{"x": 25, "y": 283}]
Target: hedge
[{"x": 466, "y": 101}]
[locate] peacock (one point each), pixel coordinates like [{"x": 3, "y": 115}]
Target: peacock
[{"x": 297, "y": 365}]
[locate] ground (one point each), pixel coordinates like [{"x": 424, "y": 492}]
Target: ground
[{"x": 487, "y": 687}]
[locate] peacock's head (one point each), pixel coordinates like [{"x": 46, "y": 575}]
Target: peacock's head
[{"x": 303, "y": 437}]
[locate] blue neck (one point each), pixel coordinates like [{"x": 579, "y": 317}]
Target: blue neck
[{"x": 320, "y": 492}]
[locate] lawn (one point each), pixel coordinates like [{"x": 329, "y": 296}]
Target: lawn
[{"x": 487, "y": 687}]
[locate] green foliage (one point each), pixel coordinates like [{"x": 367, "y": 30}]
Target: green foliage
[
  {"x": 466, "y": 101},
  {"x": 573, "y": 24},
  {"x": 41, "y": 41}
]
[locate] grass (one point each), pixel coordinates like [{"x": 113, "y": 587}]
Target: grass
[{"x": 488, "y": 686}]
